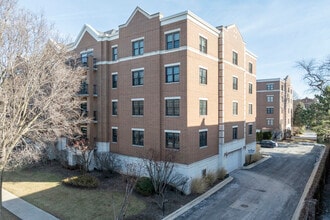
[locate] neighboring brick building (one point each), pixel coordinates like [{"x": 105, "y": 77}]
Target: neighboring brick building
[
  {"x": 171, "y": 84},
  {"x": 274, "y": 106}
]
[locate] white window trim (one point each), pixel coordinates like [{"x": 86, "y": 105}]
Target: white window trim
[
  {"x": 172, "y": 64},
  {"x": 114, "y": 100},
  {"x": 235, "y": 126},
  {"x": 114, "y": 73},
  {"x": 203, "y": 36},
  {"x": 86, "y": 51},
  {"x": 137, "y": 99},
  {"x": 205, "y": 99},
  {"x": 114, "y": 46},
  {"x": 137, "y": 69},
  {"x": 174, "y": 97},
  {"x": 201, "y": 130},
  {"x": 172, "y": 31},
  {"x": 137, "y": 39},
  {"x": 202, "y": 67},
  {"x": 114, "y": 128},
  {"x": 137, "y": 129},
  {"x": 172, "y": 131}
]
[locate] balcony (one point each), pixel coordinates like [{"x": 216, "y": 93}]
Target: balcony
[
  {"x": 83, "y": 89},
  {"x": 83, "y": 62}
]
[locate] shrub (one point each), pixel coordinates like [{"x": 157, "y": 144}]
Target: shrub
[
  {"x": 267, "y": 135},
  {"x": 221, "y": 173},
  {"x": 83, "y": 181},
  {"x": 144, "y": 186},
  {"x": 198, "y": 186},
  {"x": 210, "y": 179}
]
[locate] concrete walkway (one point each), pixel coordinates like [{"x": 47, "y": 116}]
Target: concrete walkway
[{"x": 23, "y": 209}]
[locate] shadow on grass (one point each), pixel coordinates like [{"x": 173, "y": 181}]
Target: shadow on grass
[{"x": 42, "y": 188}]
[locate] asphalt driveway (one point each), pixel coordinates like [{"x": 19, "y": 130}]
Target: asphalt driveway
[{"x": 270, "y": 190}]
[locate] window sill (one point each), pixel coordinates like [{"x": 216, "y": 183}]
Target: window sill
[{"x": 137, "y": 145}]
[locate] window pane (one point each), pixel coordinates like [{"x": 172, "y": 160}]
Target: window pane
[
  {"x": 172, "y": 140},
  {"x": 202, "y": 138},
  {"x": 172, "y": 74}
]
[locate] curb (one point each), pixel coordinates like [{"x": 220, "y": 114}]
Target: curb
[
  {"x": 265, "y": 157},
  {"x": 301, "y": 203},
  {"x": 191, "y": 204}
]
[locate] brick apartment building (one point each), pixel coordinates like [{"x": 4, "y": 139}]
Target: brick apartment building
[
  {"x": 170, "y": 84},
  {"x": 274, "y": 106}
]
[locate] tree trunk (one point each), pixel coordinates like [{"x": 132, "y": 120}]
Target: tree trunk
[{"x": 1, "y": 180}]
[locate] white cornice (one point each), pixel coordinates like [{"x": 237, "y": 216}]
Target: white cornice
[
  {"x": 188, "y": 15},
  {"x": 97, "y": 35},
  {"x": 138, "y": 9}
]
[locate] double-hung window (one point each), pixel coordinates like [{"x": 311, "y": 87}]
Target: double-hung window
[
  {"x": 137, "y": 106},
  {"x": 172, "y": 106},
  {"x": 270, "y": 98},
  {"x": 235, "y": 132},
  {"x": 250, "y": 68},
  {"x": 202, "y": 76},
  {"x": 114, "y": 80},
  {"x": 270, "y": 121},
  {"x": 172, "y": 40},
  {"x": 114, "y": 53},
  {"x": 235, "y": 108},
  {"x": 250, "y": 129},
  {"x": 202, "y": 138},
  {"x": 235, "y": 83},
  {"x": 202, "y": 106},
  {"x": 172, "y": 74},
  {"x": 138, "y": 47},
  {"x": 202, "y": 44},
  {"x": 250, "y": 109},
  {"x": 138, "y": 77},
  {"x": 138, "y": 137},
  {"x": 235, "y": 58},
  {"x": 250, "y": 88},
  {"x": 114, "y": 134},
  {"x": 270, "y": 110},
  {"x": 114, "y": 107},
  {"x": 172, "y": 139},
  {"x": 270, "y": 86}
]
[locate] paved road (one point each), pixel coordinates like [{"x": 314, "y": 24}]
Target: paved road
[{"x": 270, "y": 190}]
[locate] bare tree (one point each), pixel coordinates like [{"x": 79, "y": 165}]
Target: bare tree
[
  {"x": 317, "y": 75},
  {"x": 38, "y": 90},
  {"x": 133, "y": 172},
  {"x": 84, "y": 152},
  {"x": 317, "y": 116},
  {"x": 161, "y": 173},
  {"x": 107, "y": 162}
]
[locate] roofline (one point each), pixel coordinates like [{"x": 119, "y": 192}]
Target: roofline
[
  {"x": 192, "y": 17},
  {"x": 138, "y": 9},
  {"x": 269, "y": 80},
  {"x": 97, "y": 35}
]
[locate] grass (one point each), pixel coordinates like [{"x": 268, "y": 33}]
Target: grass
[
  {"x": 8, "y": 215},
  {"x": 44, "y": 190},
  {"x": 254, "y": 157}
]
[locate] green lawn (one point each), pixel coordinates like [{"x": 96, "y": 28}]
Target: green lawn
[{"x": 44, "y": 189}]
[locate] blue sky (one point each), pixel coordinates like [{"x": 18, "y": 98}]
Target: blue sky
[{"x": 279, "y": 32}]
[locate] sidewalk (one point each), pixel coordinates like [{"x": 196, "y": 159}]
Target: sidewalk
[{"x": 23, "y": 209}]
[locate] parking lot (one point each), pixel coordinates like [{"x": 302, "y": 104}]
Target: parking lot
[{"x": 270, "y": 190}]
